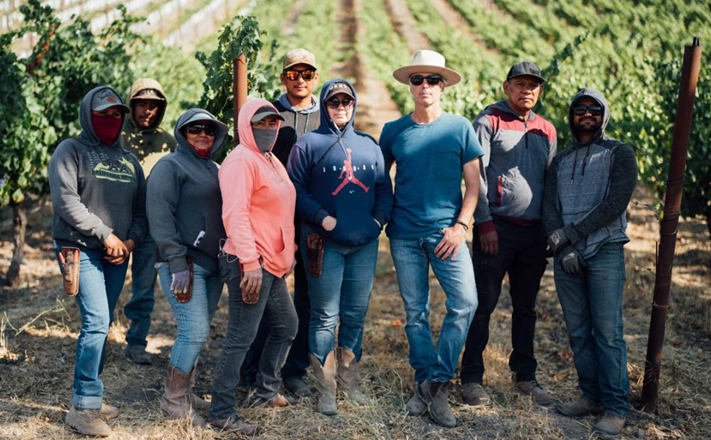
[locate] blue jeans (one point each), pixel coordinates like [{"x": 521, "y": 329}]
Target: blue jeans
[
  {"x": 592, "y": 307},
  {"x": 342, "y": 291},
  {"x": 413, "y": 258},
  {"x": 139, "y": 308},
  {"x": 100, "y": 284},
  {"x": 193, "y": 317}
]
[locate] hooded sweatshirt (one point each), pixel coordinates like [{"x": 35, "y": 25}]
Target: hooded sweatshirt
[
  {"x": 184, "y": 203},
  {"x": 258, "y": 202},
  {"x": 341, "y": 173},
  {"x": 149, "y": 144},
  {"x": 516, "y": 155},
  {"x": 589, "y": 186},
  {"x": 296, "y": 123},
  {"x": 97, "y": 189}
]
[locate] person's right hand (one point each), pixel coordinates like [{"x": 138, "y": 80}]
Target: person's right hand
[
  {"x": 251, "y": 282},
  {"x": 181, "y": 282},
  {"x": 329, "y": 223},
  {"x": 115, "y": 247},
  {"x": 489, "y": 242}
]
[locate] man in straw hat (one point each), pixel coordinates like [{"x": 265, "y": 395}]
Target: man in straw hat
[{"x": 432, "y": 149}]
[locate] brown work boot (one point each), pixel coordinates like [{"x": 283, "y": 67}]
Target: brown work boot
[
  {"x": 436, "y": 396},
  {"x": 138, "y": 355},
  {"x": 87, "y": 422},
  {"x": 276, "y": 401},
  {"x": 175, "y": 397},
  {"x": 609, "y": 426},
  {"x": 108, "y": 412},
  {"x": 193, "y": 399},
  {"x": 533, "y": 389},
  {"x": 234, "y": 424},
  {"x": 348, "y": 376},
  {"x": 473, "y": 394},
  {"x": 325, "y": 383},
  {"x": 298, "y": 387},
  {"x": 579, "y": 408},
  {"x": 415, "y": 406}
]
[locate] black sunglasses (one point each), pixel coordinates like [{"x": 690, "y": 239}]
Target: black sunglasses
[
  {"x": 293, "y": 75},
  {"x": 580, "y": 110},
  {"x": 334, "y": 103},
  {"x": 433, "y": 80},
  {"x": 209, "y": 129}
]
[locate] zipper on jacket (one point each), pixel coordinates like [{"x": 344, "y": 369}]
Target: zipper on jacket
[{"x": 525, "y": 132}]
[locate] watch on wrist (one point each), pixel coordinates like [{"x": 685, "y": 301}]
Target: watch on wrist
[{"x": 464, "y": 225}]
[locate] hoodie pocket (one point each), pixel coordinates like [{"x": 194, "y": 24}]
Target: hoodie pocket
[
  {"x": 287, "y": 245},
  {"x": 354, "y": 228}
]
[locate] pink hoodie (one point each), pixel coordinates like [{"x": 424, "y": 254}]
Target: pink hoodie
[{"x": 258, "y": 202}]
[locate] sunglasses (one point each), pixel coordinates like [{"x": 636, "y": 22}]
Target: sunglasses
[
  {"x": 334, "y": 103},
  {"x": 580, "y": 110},
  {"x": 209, "y": 129},
  {"x": 433, "y": 80},
  {"x": 293, "y": 75}
]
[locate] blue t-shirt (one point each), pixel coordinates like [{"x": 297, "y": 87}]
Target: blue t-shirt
[{"x": 429, "y": 159}]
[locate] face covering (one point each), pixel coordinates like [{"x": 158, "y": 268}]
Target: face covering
[
  {"x": 201, "y": 153},
  {"x": 264, "y": 138},
  {"x": 107, "y": 128}
]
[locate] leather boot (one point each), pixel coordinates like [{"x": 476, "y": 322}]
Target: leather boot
[
  {"x": 436, "y": 396},
  {"x": 196, "y": 401},
  {"x": 175, "y": 401},
  {"x": 348, "y": 376},
  {"x": 325, "y": 383}
]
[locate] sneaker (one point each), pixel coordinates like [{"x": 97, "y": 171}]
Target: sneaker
[
  {"x": 108, "y": 412},
  {"x": 298, "y": 387},
  {"x": 579, "y": 408},
  {"x": 436, "y": 396},
  {"x": 138, "y": 355},
  {"x": 609, "y": 426},
  {"x": 233, "y": 424},
  {"x": 473, "y": 394},
  {"x": 533, "y": 389},
  {"x": 415, "y": 406},
  {"x": 87, "y": 422}
]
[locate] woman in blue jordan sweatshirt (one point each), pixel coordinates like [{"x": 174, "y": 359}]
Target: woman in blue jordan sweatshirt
[{"x": 343, "y": 194}]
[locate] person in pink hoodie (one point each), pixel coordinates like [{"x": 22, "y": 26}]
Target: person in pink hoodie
[{"x": 258, "y": 203}]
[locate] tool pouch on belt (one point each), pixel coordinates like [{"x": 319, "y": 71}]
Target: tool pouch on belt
[
  {"x": 314, "y": 252},
  {"x": 69, "y": 261},
  {"x": 184, "y": 297}
]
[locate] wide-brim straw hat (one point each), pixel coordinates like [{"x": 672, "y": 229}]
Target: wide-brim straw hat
[{"x": 430, "y": 62}]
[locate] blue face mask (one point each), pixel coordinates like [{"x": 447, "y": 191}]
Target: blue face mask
[{"x": 264, "y": 138}]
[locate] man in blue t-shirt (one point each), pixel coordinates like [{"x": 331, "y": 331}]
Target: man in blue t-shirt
[{"x": 429, "y": 219}]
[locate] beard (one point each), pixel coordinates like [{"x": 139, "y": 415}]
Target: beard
[{"x": 587, "y": 128}]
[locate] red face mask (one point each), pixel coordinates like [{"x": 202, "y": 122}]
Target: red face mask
[{"x": 107, "y": 128}]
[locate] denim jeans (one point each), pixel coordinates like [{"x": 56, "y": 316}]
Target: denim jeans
[
  {"x": 592, "y": 307},
  {"x": 412, "y": 258},
  {"x": 139, "y": 308},
  {"x": 100, "y": 284},
  {"x": 522, "y": 253},
  {"x": 276, "y": 305},
  {"x": 342, "y": 291},
  {"x": 194, "y": 316}
]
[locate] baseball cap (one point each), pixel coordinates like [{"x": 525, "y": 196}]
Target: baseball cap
[
  {"x": 336, "y": 88},
  {"x": 148, "y": 94},
  {"x": 526, "y": 68},
  {"x": 299, "y": 56},
  {"x": 107, "y": 98},
  {"x": 265, "y": 111}
]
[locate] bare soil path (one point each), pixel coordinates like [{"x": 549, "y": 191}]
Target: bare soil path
[
  {"x": 404, "y": 23},
  {"x": 456, "y": 20}
]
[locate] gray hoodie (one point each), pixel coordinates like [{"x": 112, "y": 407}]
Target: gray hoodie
[
  {"x": 589, "y": 186},
  {"x": 184, "y": 201},
  {"x": 96, "y": 189}
]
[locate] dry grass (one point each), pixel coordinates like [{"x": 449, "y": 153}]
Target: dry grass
[{"x": 38, "y": 331}]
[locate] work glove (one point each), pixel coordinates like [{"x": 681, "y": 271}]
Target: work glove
[
  {"x": 571, "y": 262},
  {"x": 558, "y": 240},
  {"x": 180, "y": 282}
]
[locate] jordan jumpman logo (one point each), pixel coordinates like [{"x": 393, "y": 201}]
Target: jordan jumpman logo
[{"x": 347, "y": 175}]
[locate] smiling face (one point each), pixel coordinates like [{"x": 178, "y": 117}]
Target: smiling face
[
  {"x": 426, "y": 95},
  {"x": 145, "y": 112},
  {"x": 523, "y": 93},
  {"x": 201, "y": 140}
]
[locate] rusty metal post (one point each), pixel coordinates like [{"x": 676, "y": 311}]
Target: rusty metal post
[
  {"x": 239, "y": 89},
  {"x": 669, "y": 223}
]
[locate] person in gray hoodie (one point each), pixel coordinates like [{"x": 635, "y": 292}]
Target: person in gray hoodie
[
  {"x": 99, "y": 198},
  {"x": 185, "y": 218},
  {"x": 588, "y": 188}
]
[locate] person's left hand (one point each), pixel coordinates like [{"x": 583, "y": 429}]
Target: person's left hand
[
  {"x": 449, "y": 245},
  {"x": 571, "y": 262},
  {"x": 558, "y": 240}
]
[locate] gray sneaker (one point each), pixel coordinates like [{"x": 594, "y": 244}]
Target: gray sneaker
[
  {"x": 473, "y": 394},
  {"x": 533, "y": 389},
  {"x": 138, "y": 355},
  {"x": 87, "y": 422},
  {"x": 415, "y": 406}
]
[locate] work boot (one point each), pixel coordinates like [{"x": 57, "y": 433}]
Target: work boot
[
  {"x": 415, "y": 406},
  {"x": 234, "y": 424},
  {"x": 138, "y": 355},
  {"x": 473, "y": 394},
  {"x": 193, "y": 399},
  {"x": 436, "y": 396},
  {"x": 108, "y": 412},
  {"x": 531, "y": 388},
  {"x": 348, "y": 376},
  {"x": 297, "y": 387},
  {"x": 579, "y": 408},
  {"x": 175, "y": 397},
  {"x": 276, "y": 401},
  {"x": 87, "y": 422},
  {"x": 325, "y": 383},
  {"x": 609, "y": 426}
]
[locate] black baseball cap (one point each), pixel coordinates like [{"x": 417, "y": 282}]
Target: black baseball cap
[{"x": 525, "y": 68}]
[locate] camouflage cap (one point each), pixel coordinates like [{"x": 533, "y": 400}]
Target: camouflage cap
[{"x": 299, "y": 56}]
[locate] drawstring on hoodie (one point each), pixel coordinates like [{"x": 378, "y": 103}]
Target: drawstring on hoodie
[{"x": 296, "y": 125}]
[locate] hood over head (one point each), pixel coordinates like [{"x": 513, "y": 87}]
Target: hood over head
[
  {"x": 589, "y": 92},
  {"x": 88, "y": 134},
  {"x": 148, "y": 89},
  {"x": 327, "y": 126},
  {"x": 198, "y": 114},
  {"x": 244, "y": 127}
]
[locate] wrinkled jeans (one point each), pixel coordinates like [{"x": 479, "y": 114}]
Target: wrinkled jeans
[
  {"x": 100, "y": 284},
  {"x": 413, "y": 258},
  {"x": 592, "y": 307},
  {"x": 139, "y": 308}
]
